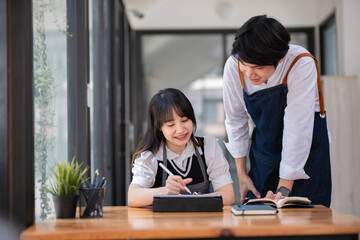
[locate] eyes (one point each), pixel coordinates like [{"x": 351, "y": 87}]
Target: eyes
[
  {"x": 172, "y": 123},
  {"x": 252, "y": 66},
  {"x": 259, "y": 67}
]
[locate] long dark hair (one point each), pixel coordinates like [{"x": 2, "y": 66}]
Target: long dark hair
[
  {"x": 261, "y": 41},
  {"x": 160, "y": 111}
]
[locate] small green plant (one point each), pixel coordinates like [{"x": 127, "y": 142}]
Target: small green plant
[{"x": 67, "y": 178}]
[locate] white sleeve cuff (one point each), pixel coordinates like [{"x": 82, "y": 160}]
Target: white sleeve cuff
[
  {"x": 141, "y": 181},
  {"x": 237, "y": 149},
  {"x": 289, "y": 173},
  {"x": 221, "y": 181},
  {"x": 144, "y": 170}
]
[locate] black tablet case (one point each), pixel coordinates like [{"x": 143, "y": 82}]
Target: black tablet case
[{"x": 187, "y": 203}]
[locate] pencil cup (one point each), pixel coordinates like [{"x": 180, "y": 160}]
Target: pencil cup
[{"x": 91, "y": 202}]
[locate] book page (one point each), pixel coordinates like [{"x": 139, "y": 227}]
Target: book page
[
  {"x": 266, "y": 201},
  {"x": 293, "y": 201}
]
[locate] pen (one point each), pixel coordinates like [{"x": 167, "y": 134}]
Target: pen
[
  {"x": 244, "y": 201},
  {"x": 170, "y": 173}
]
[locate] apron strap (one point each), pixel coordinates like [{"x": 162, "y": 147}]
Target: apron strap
[
  {"x": 201, "y": 163},
  {"x": 164, "y": 175},
  {"x": 241, "y": 75},
  {"x": 321, "y": 99}
]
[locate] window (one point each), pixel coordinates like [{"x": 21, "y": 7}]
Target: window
[
  {"x": 193, "y": 62},
  {"x": 77, "y": 87},
  {"x": 328, "y": 40},
  {"x": 50, "y": 95}
]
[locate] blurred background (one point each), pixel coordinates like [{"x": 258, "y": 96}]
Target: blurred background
[
  {"x": 184, "y": 44},
  {"x": 101, "y": 62}
]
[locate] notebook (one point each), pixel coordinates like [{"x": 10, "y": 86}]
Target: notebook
[{"x": 242, "y": 210}]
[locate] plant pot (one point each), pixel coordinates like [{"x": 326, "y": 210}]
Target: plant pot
[{"x": 65, "y": 206}]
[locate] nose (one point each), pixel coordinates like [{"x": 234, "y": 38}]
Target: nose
[
  {"x": 249, "y": 72},
  {"x": 179, "y": 128}
]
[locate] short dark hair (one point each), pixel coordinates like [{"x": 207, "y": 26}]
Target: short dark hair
[
  {"x": 261, "y": 41},
  {"x": 159, "y": 112}
]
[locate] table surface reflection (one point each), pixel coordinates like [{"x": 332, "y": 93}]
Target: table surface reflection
[{"x": 123, "y": 222}]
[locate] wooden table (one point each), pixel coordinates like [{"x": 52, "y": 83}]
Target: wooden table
[{"x": 141, "y": 223}]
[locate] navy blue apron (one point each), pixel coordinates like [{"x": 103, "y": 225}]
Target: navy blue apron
[{"x": 267, "y": 108}]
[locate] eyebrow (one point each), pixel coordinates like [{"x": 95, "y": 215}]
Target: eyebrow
[{"x": 250, "y": 66}]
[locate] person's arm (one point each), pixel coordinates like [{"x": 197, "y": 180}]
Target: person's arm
[
  {"x": 298, "y": 120},
  {"x": 144, "y": 173},
  {"x": 227, "y": 193},
  {"x": 237, "y": 126},
  {"x": 139, "y": 196},
  {"x": 282, "y": 183},
  {"x": 245, "y": 182},
  {"x": 218, "y": 170}
]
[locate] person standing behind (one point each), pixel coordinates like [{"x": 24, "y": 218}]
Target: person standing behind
[
  {"x": 278, "y": 85},
  {"x": 195, "y": 161}
]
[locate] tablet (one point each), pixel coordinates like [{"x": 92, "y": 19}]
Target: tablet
[{"x": 187, "y": 203}]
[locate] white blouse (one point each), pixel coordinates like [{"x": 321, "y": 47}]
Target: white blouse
[
  {"x": 302, "y": 102},
  {"x": 144, "y": 169}
]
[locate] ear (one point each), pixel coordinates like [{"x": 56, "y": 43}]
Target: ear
[{"x": 281, "y": 60}]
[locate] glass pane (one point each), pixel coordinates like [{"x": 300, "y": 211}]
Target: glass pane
[
  {"x": 194, "y": 64},
  {"x": 330, "y": 50},
  {"x": 50, "y": 96},
  {"x": 229, "y": 42},
  {"x": 191, "y": 63},
  {"x": 299, "y": 38}
]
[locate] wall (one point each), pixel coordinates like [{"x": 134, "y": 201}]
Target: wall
[
  {"x": 345, "y": 101},
  {"x": 341, "y": 99}
]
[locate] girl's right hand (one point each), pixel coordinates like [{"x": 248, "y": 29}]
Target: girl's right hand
[
  {"x": 175, "y": 184},
  {"x": 246, "y": 185}
]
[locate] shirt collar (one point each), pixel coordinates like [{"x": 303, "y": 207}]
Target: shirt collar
[{"x": 188, "y": 152}]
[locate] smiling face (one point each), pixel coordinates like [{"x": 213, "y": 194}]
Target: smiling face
[
  {"x": 255, "y": 73},
  {"x": 177, "y": 132}
]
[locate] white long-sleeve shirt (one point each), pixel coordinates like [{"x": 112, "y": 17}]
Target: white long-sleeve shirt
[
  {"x": 145, "y": 167},
  {"x": 302, "y": 102}
]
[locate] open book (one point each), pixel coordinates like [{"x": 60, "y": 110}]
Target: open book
[{"x": 282, "y": 203}]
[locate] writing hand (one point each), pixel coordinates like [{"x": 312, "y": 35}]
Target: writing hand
[{"x": 175, "y": 184}]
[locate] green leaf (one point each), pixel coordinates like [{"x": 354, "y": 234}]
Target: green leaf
[{"x": 67, "y": 178}]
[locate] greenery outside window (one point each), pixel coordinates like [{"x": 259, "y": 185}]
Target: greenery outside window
[{"x": 50, "y": 95}]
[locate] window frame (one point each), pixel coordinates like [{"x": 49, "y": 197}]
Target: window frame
[
  {"x": 323, "y": 26},
  {"x": 17, "y": 164}
]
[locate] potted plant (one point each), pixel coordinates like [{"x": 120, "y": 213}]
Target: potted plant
[{"x": 67, "y": 178}]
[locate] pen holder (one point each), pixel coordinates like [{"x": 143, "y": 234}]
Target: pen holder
[{"x": 91, "y": 202}]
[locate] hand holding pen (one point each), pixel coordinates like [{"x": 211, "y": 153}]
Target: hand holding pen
[{"x": 171, "y": 174}]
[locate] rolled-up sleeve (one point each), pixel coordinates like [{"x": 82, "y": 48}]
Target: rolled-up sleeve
[
  {"x": 217, "y": 165},
  {"x": 236, "y": 121},
  {"x": 299, "y": 119},
  {"x": 144, "y": 170}
]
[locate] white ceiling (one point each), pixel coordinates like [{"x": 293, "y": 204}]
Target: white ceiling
[{"x": 220, "y": 14}]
